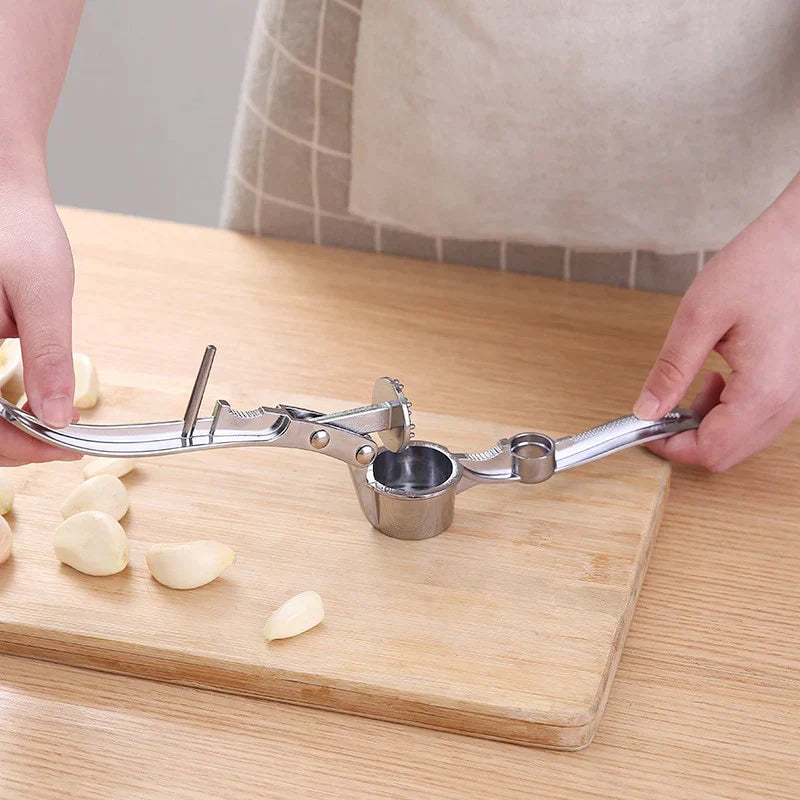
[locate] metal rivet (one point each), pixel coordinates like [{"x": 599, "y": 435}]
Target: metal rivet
[
  {"x": 319, "y": 439},
  {"x": 365, "y": 455}
]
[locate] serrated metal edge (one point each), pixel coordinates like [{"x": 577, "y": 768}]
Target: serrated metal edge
[
  {"x": 408, "y": 404},
  {"x": 492, "y": 452}
]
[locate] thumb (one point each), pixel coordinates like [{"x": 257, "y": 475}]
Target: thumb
[
  {"x": 691, "y": 337},
  {"x": 43, "y": 314}
]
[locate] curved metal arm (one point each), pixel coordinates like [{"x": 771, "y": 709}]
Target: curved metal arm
[
  {"x": 619, "y": 434},
  {"x": 280, "y": 427},
  {"x": 343, "y": 436},
  {"x": 535, "y": 457}
]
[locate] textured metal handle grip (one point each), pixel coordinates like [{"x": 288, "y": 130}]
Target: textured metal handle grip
[{"x": 619, "y": 434}]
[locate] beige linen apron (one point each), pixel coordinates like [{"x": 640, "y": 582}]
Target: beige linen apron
[{"x": 293, "y": 154}]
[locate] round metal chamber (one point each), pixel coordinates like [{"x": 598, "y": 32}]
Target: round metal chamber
[
  {"x": 410, "y": 494},
  {"x": 533, "y": 457}
]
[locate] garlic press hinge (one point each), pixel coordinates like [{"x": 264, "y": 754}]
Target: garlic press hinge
[{"x": 343, "y": 435}]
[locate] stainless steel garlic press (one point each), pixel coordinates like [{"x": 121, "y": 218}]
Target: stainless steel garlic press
[{"x": 406, "y": 488}]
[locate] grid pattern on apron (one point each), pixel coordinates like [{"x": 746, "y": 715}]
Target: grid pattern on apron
[{"x": 289, "y": 170}]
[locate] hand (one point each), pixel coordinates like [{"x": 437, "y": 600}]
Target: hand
[
  {"x": 36, "y": 280},
  {"x": 745, "y": 304}
]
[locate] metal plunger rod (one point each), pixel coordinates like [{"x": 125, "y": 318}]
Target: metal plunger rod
[{"x": 199, "y": 388}]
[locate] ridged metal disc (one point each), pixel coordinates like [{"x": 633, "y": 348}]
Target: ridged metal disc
[{"x": 391, "y": 391}]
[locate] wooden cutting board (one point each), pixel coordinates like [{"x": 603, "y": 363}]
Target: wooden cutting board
[{"x": 508, "y": 626}]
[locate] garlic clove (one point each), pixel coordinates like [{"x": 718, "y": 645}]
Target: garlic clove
[
  {"x": 23, "y": 398},
  {"x": 108, "y": 466},
  {"x": 6, "y": 540},
  {"x": 102, "y": 493},
  {"x": 86, "y": 382},
  {"x": 297, "y": 615},
  {"x": 93, "y": 543},
  {"x": 11, "y": 368},
  {"x": 6, "y": 493},
  {"x": 189, "y": 564}
]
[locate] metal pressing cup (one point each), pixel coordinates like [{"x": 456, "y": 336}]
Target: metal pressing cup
[{"x": 411, "y": 494}]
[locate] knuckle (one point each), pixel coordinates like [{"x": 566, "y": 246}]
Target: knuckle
[
  {"x": 30, "y": 292},
  {"x": 670, "y": 368},
  {"x": 690, "y": 312},
  {"x": 31, "y": 296},
  {"x": 776, "y": 395},
  {"x": 50, "y": 355},
  {"x": 40, "y": 283}
]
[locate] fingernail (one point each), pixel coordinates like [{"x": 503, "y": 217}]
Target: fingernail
[
  {"x": 646, "y": 407},
  {"x": 57, "y": 411}
]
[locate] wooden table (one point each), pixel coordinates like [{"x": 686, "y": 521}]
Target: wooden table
[{"x": 706, "y": 703}]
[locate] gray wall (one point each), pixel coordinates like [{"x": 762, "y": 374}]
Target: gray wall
[{"x": 145, "y": 119}]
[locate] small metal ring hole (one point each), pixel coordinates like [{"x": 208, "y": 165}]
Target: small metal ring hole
[
  {"x": 533, "y": 456},
  {"x": 418, "y": 470}
]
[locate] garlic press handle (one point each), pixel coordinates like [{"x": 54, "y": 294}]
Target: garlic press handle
[
  {"x": 343, "y": 436},
  {"x": 619, "y": 434},
  {"x": 534, "y": 457}
]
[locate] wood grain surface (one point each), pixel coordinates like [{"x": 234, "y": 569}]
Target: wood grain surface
[
  {"x": 508, "y": 626},
  {"x": 706, "y": 700}
]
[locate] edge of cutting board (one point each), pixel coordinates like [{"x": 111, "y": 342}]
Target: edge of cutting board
[{"x": 242, "y": 679}]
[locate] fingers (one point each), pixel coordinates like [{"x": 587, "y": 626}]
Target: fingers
[
  {"x": 692, "y": 336},
  {"x": 755, "y": 408},
  {"x": 42, "y": 311},
  {"x": 76, "y": 414},
  {"x": 709, "y": 396},
  {"x": 17, "y": 447},
  {"x": 683, "y": 447},
  {"x": 16, "y": 462},
  {"x": 701, "y": 447},
  {"x": 759, "y": 438},
  {"x": 739, "y": 422}
]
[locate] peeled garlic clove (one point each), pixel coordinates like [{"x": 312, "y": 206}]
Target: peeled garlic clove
[
  {"x": 6, "y": 493},
  {"x": 11, "y": 367},
  {"x": 86, "y": 383},
  {"x": 297, "y": 615},
  {"x": 102, "y": 493},
  {"x": 5, "y": 540},
  {"x": 93, "y": 543},
  {"x": 190, "y": 564},
  {"x": 108, "y": 466}
]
